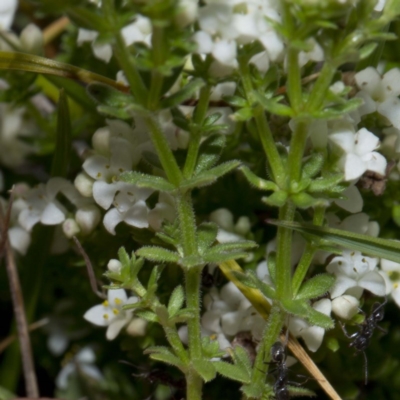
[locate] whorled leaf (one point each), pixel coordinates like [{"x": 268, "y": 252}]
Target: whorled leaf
[{"x": 368, "y": 245}]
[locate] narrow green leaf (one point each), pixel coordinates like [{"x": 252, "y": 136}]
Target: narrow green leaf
[
  {"x": 272, "y": 105},
  {"x": 183, "y": 315},
  {"x": 315, "y": 287},
  {"x": 176, "y": 301},
  {"x": 313, "y": 165},
  {"x": 205, "y": 178},
  {"x": 246, "y": 279},
  {"x": 257, "y": 182},
  {"x": 147, "y": 315},
  {"x": 242, "y": 359},
  {"x": 107, "y": 95},
  {"x": 62, "y": 150},
  {"x": 147, "y": 181},
  {"x": 210, "y": 152},
  {"x": 184, "y": 94},
  {"x": 220, "y": 258},
  {"x": 325, "y": 183},
  {"x": 277, "y": 199},
  {"x": 41, "y": 65},
  {"x": 205, "y": 369},
  {"x": 234, "y": 372},
  {"x": 368, "y": 245},
  {"x": 169, "y": 359},
  {"x": 158, "y": 254},
  {"x": 162, "y": 314},
  {"x": 206, "y": 236},
  {"x": 224, "y": 247}
]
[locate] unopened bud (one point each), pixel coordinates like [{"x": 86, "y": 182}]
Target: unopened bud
[
  {"x": 32, "y": 39},
  {"x": 88, "y": 218},
  {"x": 114, "y": 266},
  {"x": 84, "y": 184},
  {"x": 101, "y": 140},
  {"x": 345, "y": 306},
  {"x": 70, "y": 228}
]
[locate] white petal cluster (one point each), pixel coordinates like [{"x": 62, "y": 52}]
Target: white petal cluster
[
  {"x": 356, "y": 272},
  {"x": 138, "y": 31},
  {"x": 358, "y": 152},
  {"x": 380, "y": 94},
  {"x": 229, "y": 231},
  {"x": 110, "y": 312},
  {"x": 83, "y": 362},
  {"x": 7, "y": 11},
  {"x": 227, "y": 313},
  {"x": 225, "y": 25}
]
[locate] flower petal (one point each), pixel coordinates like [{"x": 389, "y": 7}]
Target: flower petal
[
  {"x": 115, "y": 328},
  {"x": 373, "y": 282},
  {"x": 98, "y": 315}
]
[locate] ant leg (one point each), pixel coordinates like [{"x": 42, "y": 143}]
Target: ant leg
[
  {"x": 365, "y": 367},
  {"x": 349, "y": 336},
  {"x": 381, "y": 329}
]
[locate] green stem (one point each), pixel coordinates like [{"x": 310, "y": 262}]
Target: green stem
[
  {"x": 194, "y": 386},
  {"x": 195, "y": 138},
  {"x": 308, "y": 255},
  {"x": 296, "y": 152},
  {"x": 264, "y": 132},
  {"x": 318, "y": 92},
  {"x": 270, "y": 336},
  {"x": 164, "y": 152},
  {"x": 187, "y": 224},
  {"x": 136, "y": 83},
  {"x": 192, "y": 286},
  {"x": 294, "y": 80},
  {"x": 159, "y": 54},
  {"x": 284, "y": 253}
]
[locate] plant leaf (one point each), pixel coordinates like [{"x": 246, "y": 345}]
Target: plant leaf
[
  {"x": 368, "y": 245},
  {"x": 315, "y": 287},
  {"x": 184, "y": 94},
  {"x": 41, "y": 65},
  {"x": 234, "y": 372},
  {"x": 176, "y": 301},
  {"x": 158, "y": 254},
  {"x": 205, "y": 369},
  {"x": 147, "y": 181}
]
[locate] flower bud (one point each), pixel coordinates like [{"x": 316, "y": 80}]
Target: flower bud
[
  {"x": 137, "y": 327},
  {"x": 345, "y": 306},
  {"x": 101, "y": 140},
  {"x": 84, "y": 184},
  {"x": 32, "y": 39},
  {"x": 222, "y": 217},
  {"x": 88, "y": 218},
  {"x": 243, "y": 226},
  {"x": 70, "y": 227},
  {"x": 114, "y": 266}
]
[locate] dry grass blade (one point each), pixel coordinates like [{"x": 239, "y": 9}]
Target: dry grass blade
[
  {"x": 55, "y": 29},
  {"x": 19, "y": 309}
]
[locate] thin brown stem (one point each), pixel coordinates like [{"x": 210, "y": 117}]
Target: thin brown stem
[
  {"x": 19, "y": 312},
  {"x": 90, "y": 269}
]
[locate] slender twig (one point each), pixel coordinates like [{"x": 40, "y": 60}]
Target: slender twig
[
  {"x": 90, "y": 269},
  {"x": 10, "y": 339},
  {"x": 19, "y": 312},
  {"x": 54, "y": 29}
]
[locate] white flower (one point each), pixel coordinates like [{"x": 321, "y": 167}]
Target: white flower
[
  {"x": 359, "y": 155},
  {"x": 13, "y": 128},
  {"x": 353, "y": 201},
  {"x": 353, "y": 270},
  {"x": 163, "y": 210},
  {"x": 312, "y": 335},
  {"x": 42, "y": 205},
  {"x": 7, "y": 11},
  {"x": 110, "y": 312},
  {"x": 88, "y": 218},
  {"x": 357, "y": 223},
  {"x": 82, "y": 362},
  {"x": 138, "y": 31},
  {"x": 391, "y": 271},
  {"x": 380, "y": 94}
]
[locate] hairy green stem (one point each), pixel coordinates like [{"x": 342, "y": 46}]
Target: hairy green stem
[
  {"x": 195, "y": 138},
  {"x": 187, "y": 224},
  {"x": 321, "y": 87},
  {"x": 137, "y": 86},
  {"x": 294, "y": 80},
  {"x": 264, "y": 132},
  {"x": 296, "y": 152},
  {"x": 164, "y": 152},
  {"x": 270, "y": 336},
  {"x": 308, "y": 254},
  {"x": 194, "y": 386},
  {"x": 159, "y": 54},
  {"x": 284, "y": 253}
]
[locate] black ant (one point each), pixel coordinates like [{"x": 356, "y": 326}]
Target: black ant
[
  {"x": 158, "y": 376},
  {"x": 361, "y": 339},
  {"x": 278, "y": 357}
]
